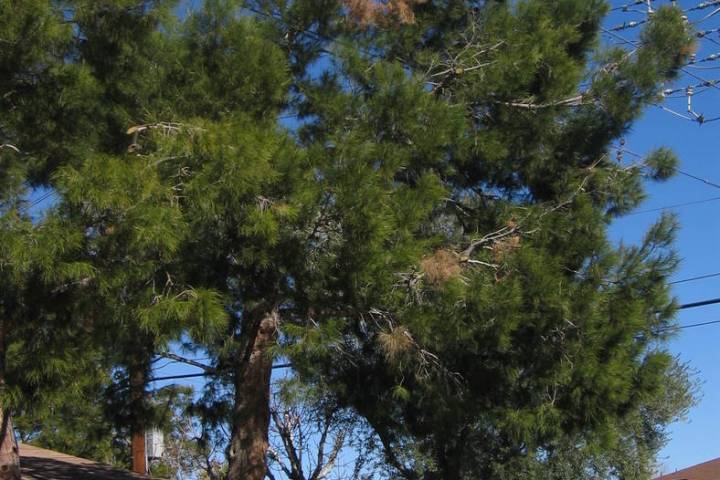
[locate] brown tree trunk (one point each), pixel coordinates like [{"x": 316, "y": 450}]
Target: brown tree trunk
[
  {"x": 9, "y": 453},
  {"x": 251, "y": 412}
]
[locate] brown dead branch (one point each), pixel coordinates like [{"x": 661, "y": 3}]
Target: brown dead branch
[
  {"x": 395, "y": 342},
  {"x": 167, "y": 129},
  {"x": 575, "y": 101},
  {"x": 372, "y": 12},
  {"x": 426, "y": 361},
  {"x": 440, "y": 267}
]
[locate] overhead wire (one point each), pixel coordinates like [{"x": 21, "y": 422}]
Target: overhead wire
[
  {"x": 702, "y": 6},
  {"x": 699, "y": 179},
  {"x": 671, "y": 328},
  {"x": 693, "y": 64},
  {"x": 706, "y": 181},
  {"x": 701, "y": 303},
  {"x": 694, "y": 279},
  {"x": 699, "y": 118},
  {"x": 670, "y": 207},
  {"x": 627, "y": 6},
  {"x": 29, "y": 206}
]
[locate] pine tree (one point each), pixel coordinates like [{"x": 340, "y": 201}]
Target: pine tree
[
  {"x": 43, "y": 349},
  {"x": 515, "y": 329},
  {"x": 37, "y": 355},
  {"x": 83, "y": 90}
]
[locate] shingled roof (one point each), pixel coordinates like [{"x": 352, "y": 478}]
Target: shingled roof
[
  {"x": 41, "y": 464},
  {"x": 704, "y": 471}
]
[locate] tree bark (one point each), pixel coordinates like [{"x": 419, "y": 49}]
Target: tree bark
[
  {"x": 251, "y": 411},
  {"x": 9, "y": 453}
]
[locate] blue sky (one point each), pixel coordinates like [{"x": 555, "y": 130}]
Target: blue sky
[{"x": 698, "y": 243}]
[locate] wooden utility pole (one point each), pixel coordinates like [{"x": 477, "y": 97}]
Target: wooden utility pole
[
  {"x": 137, "y": 429},
  {"x": 139, "y": 454}
]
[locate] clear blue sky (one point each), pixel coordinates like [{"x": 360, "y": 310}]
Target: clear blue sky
[{"x": 698, "y": 243}]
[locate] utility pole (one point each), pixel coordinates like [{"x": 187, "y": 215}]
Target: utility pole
[
  {"x": 139, "y": 457},
  {"x": 137, "y": 429}
]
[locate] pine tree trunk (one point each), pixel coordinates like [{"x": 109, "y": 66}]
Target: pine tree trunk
[
  {"x": 9, "y": 453},
  {"x": 251, "y": 412}
]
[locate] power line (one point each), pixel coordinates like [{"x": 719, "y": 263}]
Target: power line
[
  {"x": 670, "y": 207},
  {"x": 701, "y": 324},
  {"x": 702, "y": 303},
  {"x": 622, "y": 149},
  {"x": 693, "y": 279},
  {"x": 709, "y": 83},
  {"x": 627, "y": 25},
  {"x": 628, "y": 6},
  {"x": 710, "y": 58},
  {"x": 671, "y": 328},
  {"x": 699, "y": 179},
  {"x": 692, "y": 64},
  {"x": 703, "y": 5},
  {"x": 704, "y": 33},
  {"x": 709, "y": 15},
  {"x": 26, "y": 208}
]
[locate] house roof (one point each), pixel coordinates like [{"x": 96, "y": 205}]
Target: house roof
[
  {"x": 709, "y": 470},
  {"x": 41, "y": 464}
]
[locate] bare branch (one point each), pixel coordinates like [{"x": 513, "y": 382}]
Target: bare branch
[
  {"x": 332, "y": 458},
  {"x": 567, "y": 102},
  {"x": 285, "y": 430},
  {"x": 10, "y": 146}
]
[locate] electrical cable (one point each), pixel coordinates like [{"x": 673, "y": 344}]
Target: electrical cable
[
  {"x": 701, "y": 324},
  {"x": 699, "y": 179},
  {"x": 681, "y": 172},
  {"x": 27, "y": 207},
  {"x": 627, "y": 6},
  {"x": 693, "y": 279},
  {"x": 670, "y": 207},
  {"x": 702, "y": 303},
  {"x": 671, "y": 328},
  {"x": 703, "y": 6}
]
